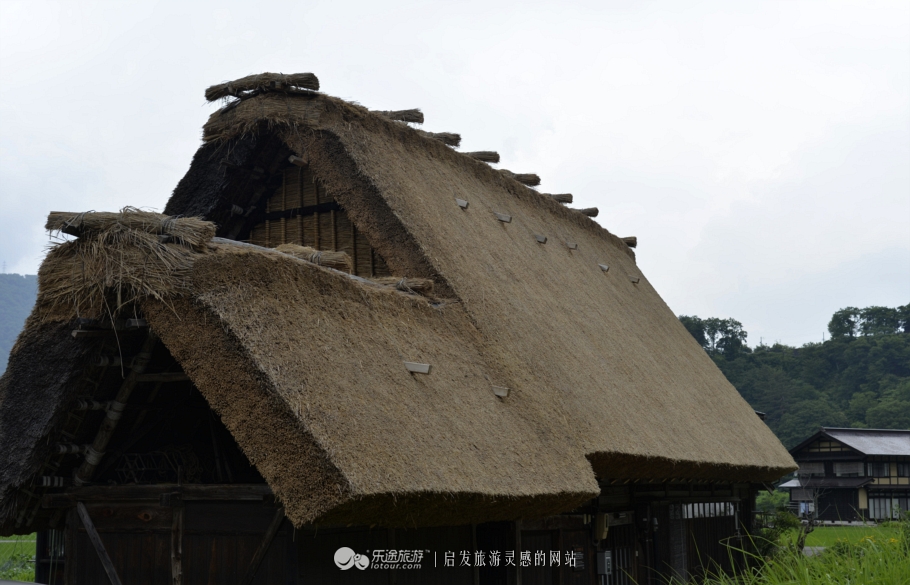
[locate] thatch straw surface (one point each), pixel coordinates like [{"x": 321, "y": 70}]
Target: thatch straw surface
[
  {"x": 413, "y": 285},
  {"x": 414, "y": 116},
  {"x": 262, "y": 81},
  {"x": 119, "y": 258},
  {"x": 337, "y": 260},
  {"x": 317, "y": 360},
  {"x": 578, "y": 344},
  {"x": 305, "y": 365}
]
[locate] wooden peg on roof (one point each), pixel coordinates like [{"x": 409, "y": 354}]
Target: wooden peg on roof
[
  {"x": 448, "y": 138},
  {"x": 631, "y": 241},
  {"x": 561, "y": 197},
  {"x": 529, "y": 179},
  {"x": 414, "y": 115},
  {"x": 589, "y": 211},
  {"x": 487, "y": 156}
]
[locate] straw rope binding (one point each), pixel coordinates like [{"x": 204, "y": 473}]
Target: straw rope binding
[
  {"x": 421, "y": 286},
  {"x": 336, "y": 260}
]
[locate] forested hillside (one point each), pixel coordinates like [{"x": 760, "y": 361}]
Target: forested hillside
[
  {"x": 858, "y": 378},
  {"x": 17, "y": 295}
]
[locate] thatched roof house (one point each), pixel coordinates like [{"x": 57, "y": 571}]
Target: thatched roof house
[{"x": 553, "y": 363}]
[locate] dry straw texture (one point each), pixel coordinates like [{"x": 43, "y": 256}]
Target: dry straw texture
[
  {"x": 414, "y": 116},
  {"x": 306, "y": 368},
  {"x": 422, "y": 286},
  {"x": 448, "y": 138},
  {"x": 337, "y": 260},
  {"x": 117, "y": 259},
  {"x": 484, "y": 155},
  {"x": 262, "y": 81},
  {"x": 305, "y": 365}
]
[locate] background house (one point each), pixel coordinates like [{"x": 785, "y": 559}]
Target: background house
[{"x": 852, "y": 474}]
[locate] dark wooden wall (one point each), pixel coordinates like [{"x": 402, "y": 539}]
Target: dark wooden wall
[
  {"x": 219, "y": 541},
  {"x": 301, "y": 212}
]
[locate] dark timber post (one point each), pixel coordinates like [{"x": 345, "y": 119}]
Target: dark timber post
[{"x": 99, "y": 546}]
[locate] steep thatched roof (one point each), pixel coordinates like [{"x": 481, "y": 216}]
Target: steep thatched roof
[{"x": 306, "y": 364}]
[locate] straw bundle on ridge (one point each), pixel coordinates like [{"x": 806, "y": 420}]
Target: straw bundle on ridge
[
  {"x": 119, "y": 258},
  {"x": 262, "y": 82},
  {"x": 529, "y": 179},
  {"x": 449, "y": 138},
  {"x": 421, "y": 286},
  {"x": 336, "y": 260},
  {"x": 415, "y": 116},
  {"x": 488, "y": 156}
]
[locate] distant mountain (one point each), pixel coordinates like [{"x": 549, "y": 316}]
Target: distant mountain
[{"x": 17, "y": 297}]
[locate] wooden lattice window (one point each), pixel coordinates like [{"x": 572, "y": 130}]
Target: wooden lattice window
[{"x": 301, "y": 212}]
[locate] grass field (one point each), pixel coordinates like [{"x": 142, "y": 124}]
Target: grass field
[
  {"x": 829, "y": 535},
  {"x": 15, "y": 552}
]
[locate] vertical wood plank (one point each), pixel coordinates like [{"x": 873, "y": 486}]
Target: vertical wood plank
[
  {"x": 69, "y": 566},
  {"x": 177, "y": 546},
  {"x": 264, "y": 546},
  {"x": 95, "y": 538}
]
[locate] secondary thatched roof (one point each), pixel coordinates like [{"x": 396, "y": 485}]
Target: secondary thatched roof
[{"x": 306, "y": 364}]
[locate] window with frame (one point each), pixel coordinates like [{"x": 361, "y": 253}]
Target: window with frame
[
  {"x": 811, "y": 469},
  {"x": 878, "y": 469},
  {"x": 848, "y": 469},
  {"x": 903, "y": 469}
]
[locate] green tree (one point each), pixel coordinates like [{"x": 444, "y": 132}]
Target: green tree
[
  {"x": 805, "y": 418},
  {"x": 880, "y": 321},
  {"x": 845, "y": 323},
  {"x": 889, "y": 414},
  {"x": 696, "y": 327},
  {"x": 724, "y": 336}
]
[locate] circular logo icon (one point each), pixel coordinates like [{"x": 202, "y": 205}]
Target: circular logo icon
[{"x": 346, "y": 558}]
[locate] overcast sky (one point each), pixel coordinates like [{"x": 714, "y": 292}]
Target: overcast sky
[{"x": 760, "y": 151}]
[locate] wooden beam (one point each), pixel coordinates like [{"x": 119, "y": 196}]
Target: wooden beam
[
  {"x": 113, "y": 493},
  {"x": 415, "y": 115},
  {"x": 589, "y": 211},
  {"x": 631, "y": 241},
  {"x": 561, "y": 197},
  {"x": 277, "y": 519},
  {"x": 487, "y": 156},
  {"x": 95, "y": 538},
  {"x": 177, "y": 546},
  {"x": 163, "y": 377}
]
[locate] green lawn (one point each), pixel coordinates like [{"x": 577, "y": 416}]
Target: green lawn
[
  {"x": 15, "y": 552},
  {"x": 829, "y": 535}
]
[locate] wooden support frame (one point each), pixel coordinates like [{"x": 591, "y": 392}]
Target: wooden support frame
[
  {"x": 177, "y": 545},
  {"x": 95, "y": 538},
  {"x": 260, "y": 553},
  {"x": 153, "y": 493}
]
